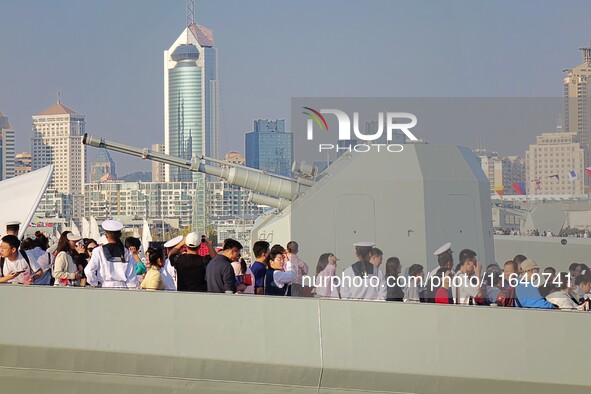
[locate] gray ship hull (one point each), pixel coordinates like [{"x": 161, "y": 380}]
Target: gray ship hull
[{"x": 68, "y": 340}]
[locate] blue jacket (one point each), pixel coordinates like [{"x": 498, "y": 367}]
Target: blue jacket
[{"x": 529, "y": 296}]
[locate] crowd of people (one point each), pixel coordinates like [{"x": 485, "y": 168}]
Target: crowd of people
[{"x": 191, "y": 264}]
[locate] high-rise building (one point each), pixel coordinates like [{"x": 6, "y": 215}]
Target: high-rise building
[
  {"x": 102, "y": 167},
  {"x": 269, "y": 147},
  {"x": 191, "y": 104},
  {"x": 158, "y": 169},
  {"x": 554, "y": 165},
  {"x": 577, "y": 103},
  {"x": 6, "y": 148},
  {"x": 501, "y": 171},
  {"x": 150, "y": 200},
  {"x": 57, "y": 140},
  {"x": 22, "y": 163}
]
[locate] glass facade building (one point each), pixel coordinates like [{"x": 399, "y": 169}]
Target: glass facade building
[
  {"x": 269, "y": 147},
  {"x": 191, "y": 108}
]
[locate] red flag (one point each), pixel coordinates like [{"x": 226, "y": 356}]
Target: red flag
[{"x": 588, "y": 171}]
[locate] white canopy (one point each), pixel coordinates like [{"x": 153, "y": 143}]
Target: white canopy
[{"x": 20, "y": 196}]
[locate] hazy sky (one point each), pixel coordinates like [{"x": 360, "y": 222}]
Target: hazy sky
[{"x": 106, "y": 57}]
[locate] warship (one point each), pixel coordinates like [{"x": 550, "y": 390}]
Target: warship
[{"x": 71, "y": 340}]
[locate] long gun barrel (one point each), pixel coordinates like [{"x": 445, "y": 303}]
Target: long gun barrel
[{"x": 252, "y": 179}]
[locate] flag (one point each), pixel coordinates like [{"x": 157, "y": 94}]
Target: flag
[
  {"x": 538, "y": 182},
  {"x": 572, "y": 176},
  {"x": 555, "y": 176},
  {"x": 500, "y": 190},
  {"x": 588, "y": 171},
  {"x": 519, "y": 188}
]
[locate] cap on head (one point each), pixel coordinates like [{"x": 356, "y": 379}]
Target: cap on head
[
  {"x": 528, "y": 265},
  {"x": 173, "y": 242},
  {"x": 365, "y": 244},
  {"x": 73, "y": 237},
  {"x": 13, "y": 223},
  {"x": 442, "y": 249},
  {"x": 192, "y": 240}
]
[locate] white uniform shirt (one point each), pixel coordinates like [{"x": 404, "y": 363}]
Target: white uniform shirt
[
  {"x": 362, "y": 288},
  {"x": 20, "y": 264},
  {"x": 111, "y": 274},
  {"x": 168, "y": 275},
  {"x": 465, "y": 290}
]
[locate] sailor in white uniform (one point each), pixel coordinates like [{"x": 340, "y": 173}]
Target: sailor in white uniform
[
  {"x": 363, "y": 280},
  {"x": 168, "y": 273},
  {"x": 111, "y": 264},
  {"x": 444, "y": 257}
]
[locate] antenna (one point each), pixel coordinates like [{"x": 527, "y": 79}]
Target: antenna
[
  {"x": 190, "y": 12},
  {"x": 59, "y": 97}
]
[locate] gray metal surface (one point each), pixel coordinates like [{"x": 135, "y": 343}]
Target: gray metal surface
[{"x": 67, "y": 340}]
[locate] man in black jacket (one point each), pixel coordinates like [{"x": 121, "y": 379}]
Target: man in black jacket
[{"x": 220, "y": 274}]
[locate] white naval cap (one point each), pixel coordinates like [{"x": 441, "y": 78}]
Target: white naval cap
[
  {"x": 112, "y": 225},
  {"x": 173, "y": 242},
  {"x": 443, "y": 248},
  {"x": 13, "y": 223},
  {"x": 365, "y": 244},
  {"x": 73, "y": 237}
]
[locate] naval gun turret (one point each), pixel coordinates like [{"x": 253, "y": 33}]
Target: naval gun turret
[
  {"x": 409, "y": 202},
  {"x": 277, "y": 188}
]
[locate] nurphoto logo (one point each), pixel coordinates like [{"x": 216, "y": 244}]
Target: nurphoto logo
[{"x": 387, "y": 122}]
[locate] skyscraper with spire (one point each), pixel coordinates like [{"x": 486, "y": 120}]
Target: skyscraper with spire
[
  {"x": 191, "y": 103},
  {"x": 577, "y": 103}
]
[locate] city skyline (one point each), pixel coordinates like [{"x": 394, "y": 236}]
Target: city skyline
[{"x": 445, "y": 50}]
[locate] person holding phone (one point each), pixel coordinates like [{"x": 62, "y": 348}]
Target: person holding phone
[
  {"x": 14, "y": 267},
  {"x": 65, "y": 269}
]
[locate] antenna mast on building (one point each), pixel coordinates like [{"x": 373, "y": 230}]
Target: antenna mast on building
[
  {"x": 190, "y": 12},
  {"x": 586, "y": 54}
]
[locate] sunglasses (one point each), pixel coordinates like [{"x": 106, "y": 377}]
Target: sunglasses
[{"x": 90, "y": 249}]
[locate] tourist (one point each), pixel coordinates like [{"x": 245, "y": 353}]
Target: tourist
[
  {"x": 375, "y": 257},
  {"x": 153, "y": 279},
  {"x": 412, "y": 292},
  {"x": 134, "y": 244},
  {"x": 243, "y": 275},
  {"x": 295, "y": 263},
  {"x": 14, "y": 266},
  {"x": 219, "y": 273},
  {"x": 260, "y": 250},
  {"x": 65, "y": 271},
  {"x": 563, "y": 298},
  {"x": 277, "y": 280},
  {"x": 466, "y": 283},
  {"x": 393, "y": 270},
  {"x": 526, "y": 294},
  {"x": 190, "y": 266},
  {"x": 326, "y": 282},
  {"x": 443, "y": 293}
]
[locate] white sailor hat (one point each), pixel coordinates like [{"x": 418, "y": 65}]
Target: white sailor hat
[
  {"x": 442, "y": 249},
  {"x": 173, "y": 242},
  {"x": 112, "y": 225},
  {"x": 365, "y": 244},
  {"x": 73, "y": 237},
  {"x": 13, "y": 223}
]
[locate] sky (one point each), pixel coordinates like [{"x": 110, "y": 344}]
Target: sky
[{"x": 106, "y": 59}]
